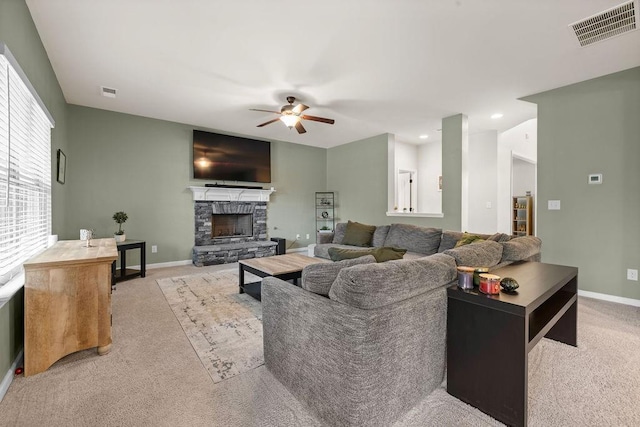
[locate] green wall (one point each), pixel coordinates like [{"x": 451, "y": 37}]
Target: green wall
[
  {"x": 18, "y": 32},
  {"x": 358, "y": 173},
  {"x": 592, "y": 127},
  {"x": 143, "y": 167}
]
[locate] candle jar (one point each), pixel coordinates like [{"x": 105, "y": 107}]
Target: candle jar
[
  {"x": 465, "y": 277},
  {"x": 489, "y": 284},
  {"x": 476, "y": 275}
]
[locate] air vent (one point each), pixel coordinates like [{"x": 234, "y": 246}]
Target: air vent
[
  {"x": 108, "y": 92},
  {"x": 607, "y": 24}
]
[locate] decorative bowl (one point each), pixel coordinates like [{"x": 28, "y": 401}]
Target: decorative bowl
[{"x": 509, "y": 284}]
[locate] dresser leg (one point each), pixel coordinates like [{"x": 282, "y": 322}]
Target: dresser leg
[{"x": 105, "y": 349}]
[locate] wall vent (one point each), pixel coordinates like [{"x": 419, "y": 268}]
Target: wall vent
[
  {"x": 610, "y": 23},
  {"x": 108, "y": 92}
]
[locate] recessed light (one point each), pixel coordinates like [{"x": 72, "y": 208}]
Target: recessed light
[
  {"x": 497, "y": 115},
  {"x": 423, "y": 136}
]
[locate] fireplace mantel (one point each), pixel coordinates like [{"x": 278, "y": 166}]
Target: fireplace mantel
[{"x": 223, "y": 194}]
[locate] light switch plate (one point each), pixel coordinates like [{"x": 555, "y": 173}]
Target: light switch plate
[{"x": 554, "y": 205}]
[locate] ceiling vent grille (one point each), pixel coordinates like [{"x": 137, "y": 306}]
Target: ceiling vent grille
[
  {"x": 108, "y": 92},
  {"x": 607, "y": 24}
]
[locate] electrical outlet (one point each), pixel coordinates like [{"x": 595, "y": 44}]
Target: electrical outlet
[
  {"x": 632, "y": 274},
  {"x": 154, "y": 249},
  {"x": 307, "y": 236},
  {"x": 297, "y": 237}
]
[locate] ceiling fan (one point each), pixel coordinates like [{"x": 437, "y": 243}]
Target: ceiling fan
[{"x": 292, "y": 116}]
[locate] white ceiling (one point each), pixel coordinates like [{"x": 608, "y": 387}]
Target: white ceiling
[{"x": 375, "y": 66}]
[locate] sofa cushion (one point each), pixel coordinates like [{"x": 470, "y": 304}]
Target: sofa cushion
[
  {"x": 376, "y": 285},
  {"x": 381, "y": 254},
  {"x": 485, "y": 253},
  {"x": 468, "y": 238},
  {"x": 338, "y": 233},
  {"x": 317, "y": 278},
  {"x": 521, "y": 248},
  {"x": 357, "y": 234},
  {"x": 380, "y": 235},
  {"x": 414, "y": 238},
  {"x": 450, "y": 238}
]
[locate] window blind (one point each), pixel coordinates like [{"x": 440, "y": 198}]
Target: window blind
[{"x": 25, "y": 173}]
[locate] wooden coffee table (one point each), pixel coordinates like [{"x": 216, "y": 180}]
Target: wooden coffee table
[
  {"x": 489, "y": 337},
  {"x": 285, "y": 267}
]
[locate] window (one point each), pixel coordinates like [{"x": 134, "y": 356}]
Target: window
[{"x": 25, "y": 169}]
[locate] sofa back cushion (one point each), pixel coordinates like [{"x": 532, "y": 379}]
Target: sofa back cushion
[
  {"x": 377, "y": 285},
  {"x": 414, "y": 238},
  {"x": 338, "y": 234},
  {"x": 380, "y": 254},
  {"x": 451, "y": 238},
  {"x": 357, "y": 234},
  {"x": 485, "y": 253},
  {"x": 318, "y": 278},
  {"x": 521, "y": 248},
  {"x": 380, "y": 235}
]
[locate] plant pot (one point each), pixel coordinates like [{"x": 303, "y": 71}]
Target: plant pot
[{"x": 119, "y": 237}]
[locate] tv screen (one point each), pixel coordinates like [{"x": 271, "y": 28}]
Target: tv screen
[{"x": 230, "y": 158}]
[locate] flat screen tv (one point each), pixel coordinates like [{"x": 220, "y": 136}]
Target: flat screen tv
[{"x": 230, "y": 158}]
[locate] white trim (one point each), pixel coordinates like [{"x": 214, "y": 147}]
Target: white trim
[
  {"x": 612, "y": 298},
  {"x": 302, "y": 249},
  {"x": 224, "y": 194},
  {"x": 9, "y": 289},
  {"x": 8, "y": 377},
  {"x": 416, "y": 214}
]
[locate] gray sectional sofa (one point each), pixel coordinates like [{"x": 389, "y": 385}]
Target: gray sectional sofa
[{"x": 360, "y": 342}]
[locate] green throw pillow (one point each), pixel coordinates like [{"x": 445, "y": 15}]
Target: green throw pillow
[
  {"x": 380, "y": 254},
  {"x": 357, "y": 234},
  {"x": 468, "y": 238}
]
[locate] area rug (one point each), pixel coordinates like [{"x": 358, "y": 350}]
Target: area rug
[{"x": 224, "y": 327}]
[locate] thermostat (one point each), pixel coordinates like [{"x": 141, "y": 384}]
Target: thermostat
[{"x": 595, "y": 178}]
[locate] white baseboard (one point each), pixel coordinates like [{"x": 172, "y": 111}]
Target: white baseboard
[
  {"x": 303, "y": 249},
  {"x": 612, "y": 298},
  {"x": 8, "y": 378}
]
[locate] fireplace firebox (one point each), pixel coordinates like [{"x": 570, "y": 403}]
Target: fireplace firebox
[{"x": 231, "y": 225}]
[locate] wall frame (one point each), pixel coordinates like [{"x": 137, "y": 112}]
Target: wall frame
[{"x": 62, "y": 167}]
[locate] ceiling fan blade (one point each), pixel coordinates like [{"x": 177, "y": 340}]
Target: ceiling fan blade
[
  {"x": 299, "y": 108},
  {"x": 318, "y": 119},
  {"x": 268, "y": 123},
  {"x": 265, "y": 111},
  {"x": 300, "y": 128}
]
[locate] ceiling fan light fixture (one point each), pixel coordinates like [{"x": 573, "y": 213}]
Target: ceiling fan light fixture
[{"x": 290, "y": 120}]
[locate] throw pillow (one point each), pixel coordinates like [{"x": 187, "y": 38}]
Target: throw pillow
[
  {"x": 380, "y": 254},
  {"x": 318, "y": 278},
  {"x": 468, "y": 238},
  {"x": 357, "y": 234}
]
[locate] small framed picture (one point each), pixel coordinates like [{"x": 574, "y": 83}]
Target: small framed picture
[{"x": 62, "y": 166}]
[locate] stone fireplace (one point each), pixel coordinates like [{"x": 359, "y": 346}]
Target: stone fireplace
[{"x": 230, "y": 224}]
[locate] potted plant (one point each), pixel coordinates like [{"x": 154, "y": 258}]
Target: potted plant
[
  {"x": 120, "y": 218},
  {"x": 324, "y": 229}
]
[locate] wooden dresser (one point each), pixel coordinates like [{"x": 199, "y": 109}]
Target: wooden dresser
[{"x": 67, "y": 302}]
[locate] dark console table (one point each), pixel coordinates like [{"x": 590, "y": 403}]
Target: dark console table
[
  {"x": 489, "y": 337},
  {"x": 128, "y": 273}
]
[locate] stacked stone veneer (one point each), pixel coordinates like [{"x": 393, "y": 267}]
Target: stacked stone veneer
[{"x": 210, "y": 251}]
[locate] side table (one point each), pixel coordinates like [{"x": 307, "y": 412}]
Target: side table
[
  {"x": 129, "y": 273},
  {"x": 489, "y": 337}
]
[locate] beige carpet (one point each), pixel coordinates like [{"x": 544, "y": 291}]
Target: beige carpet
[
  {"x": 154, "y": 377},
  {"x": 223, "y": 326}
]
